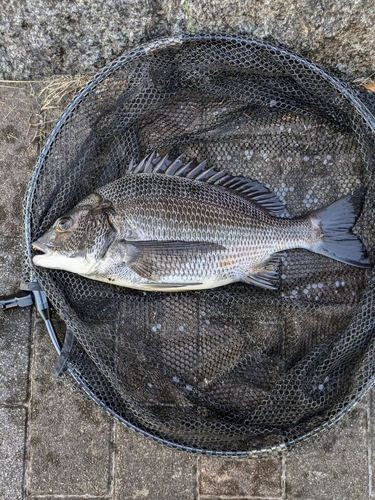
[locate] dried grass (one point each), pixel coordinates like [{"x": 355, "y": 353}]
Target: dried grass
[
  {"x": 60, "y": 90},
  {"x": 50, "y": 96},
  {"x": 368, "y": 82}
]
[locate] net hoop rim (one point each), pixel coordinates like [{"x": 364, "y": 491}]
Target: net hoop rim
[{"x": 162, "y": 43}]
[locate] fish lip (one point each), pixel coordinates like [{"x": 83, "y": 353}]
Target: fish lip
[{"x": 42, "y": 247}]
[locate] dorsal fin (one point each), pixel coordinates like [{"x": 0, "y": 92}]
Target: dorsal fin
[{"x": 247, "y": 188}]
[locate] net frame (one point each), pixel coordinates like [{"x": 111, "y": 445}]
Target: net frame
[{"x": 348, "y": 97}]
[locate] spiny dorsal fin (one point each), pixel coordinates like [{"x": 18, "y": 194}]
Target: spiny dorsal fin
[{"x": 247, "y": 188}]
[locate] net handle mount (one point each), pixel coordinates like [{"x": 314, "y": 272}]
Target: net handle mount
[{"x": 32, "y": 294}]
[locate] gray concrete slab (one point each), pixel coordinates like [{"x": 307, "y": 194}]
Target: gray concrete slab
[
  {"x": 18, "y": 150},
  {"x": 252, "y": 479},
  {"x": 71, "y": 448},
  {"x": 17, "y": 155},
  {"x": 14, "y": 328},
  {"x": 54, "y": 497},
  {"x": 371, "y": 441},
  {"x": 145, "y": 469},
  {"x": 10, "y": 259},
  {"x": 336, "y": 466},
  {"x": 14, "y": 356},
  {"x": 12, "y": 452},
  {"x": 71, "y": 444},
  {"x": 45, "y": 37}
]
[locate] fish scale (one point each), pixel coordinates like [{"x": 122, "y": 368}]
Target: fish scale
[{"x": 221, "y": 219}]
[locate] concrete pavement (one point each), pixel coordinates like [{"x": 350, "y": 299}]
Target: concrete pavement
[{"x": 56, "y": 443}]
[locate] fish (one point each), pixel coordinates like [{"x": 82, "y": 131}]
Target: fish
[{"x": 172, "y": 226}]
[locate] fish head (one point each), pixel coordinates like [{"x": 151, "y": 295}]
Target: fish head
[{"x": 78, "y": 239}]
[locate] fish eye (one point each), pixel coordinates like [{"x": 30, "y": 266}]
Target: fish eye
[{"x": 64, "y": 224}]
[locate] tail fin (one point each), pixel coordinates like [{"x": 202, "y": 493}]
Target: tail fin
[{"x": 336, "y": 222}]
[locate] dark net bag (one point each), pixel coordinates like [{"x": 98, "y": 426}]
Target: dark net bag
[{"x": 237, "y": 370}]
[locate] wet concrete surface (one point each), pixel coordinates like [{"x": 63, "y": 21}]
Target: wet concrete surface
[{"x": 55, "y": 443}]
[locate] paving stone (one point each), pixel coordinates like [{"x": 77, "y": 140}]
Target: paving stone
[
  {"x": 18, "y": 151},
  {"x": 53, "y": 497},
  {"x": 14, "y": 355},
  {"x": 371, "y": 418},
  {"x": 17, "y": 156},
  {"x": 70, "y": 437},
  {"x": 148, "y": 470},
  {"x": 260, "y": 478},
  {"x": 14, "y": 328},
  {"x": 334, "y": 467},
  {"x": 10, "y": 263},
  {"x": 12, "y": 437}
]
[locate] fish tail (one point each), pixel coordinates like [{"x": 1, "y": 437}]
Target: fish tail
[{"x": 335, "y": 224}]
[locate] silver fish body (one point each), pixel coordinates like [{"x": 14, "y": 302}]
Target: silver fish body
[{"x": 166, "y": 226}]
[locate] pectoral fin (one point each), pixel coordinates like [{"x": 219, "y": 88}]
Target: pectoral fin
[{"x": 156, "y": 260}]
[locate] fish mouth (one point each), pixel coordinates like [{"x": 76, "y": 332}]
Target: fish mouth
[
  {"x": 44, "y": 254},
  {"x": 41, "y": 247}
]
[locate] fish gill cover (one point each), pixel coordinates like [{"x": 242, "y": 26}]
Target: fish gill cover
[{"x": 236, "y": 370}]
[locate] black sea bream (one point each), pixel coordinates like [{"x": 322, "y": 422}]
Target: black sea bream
[{"x": 166, "y": 226}]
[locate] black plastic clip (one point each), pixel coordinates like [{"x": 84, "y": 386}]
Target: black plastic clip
[
  {"x": 30, "y": 294},
  {"x": 60, "y": 365},
  {"x": 18, "y": 299}
]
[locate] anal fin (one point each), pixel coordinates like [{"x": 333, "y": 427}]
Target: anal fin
[{"x": 267, "y": 275}]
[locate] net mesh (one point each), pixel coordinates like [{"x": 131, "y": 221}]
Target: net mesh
[{"x": 236, "y": 370}]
